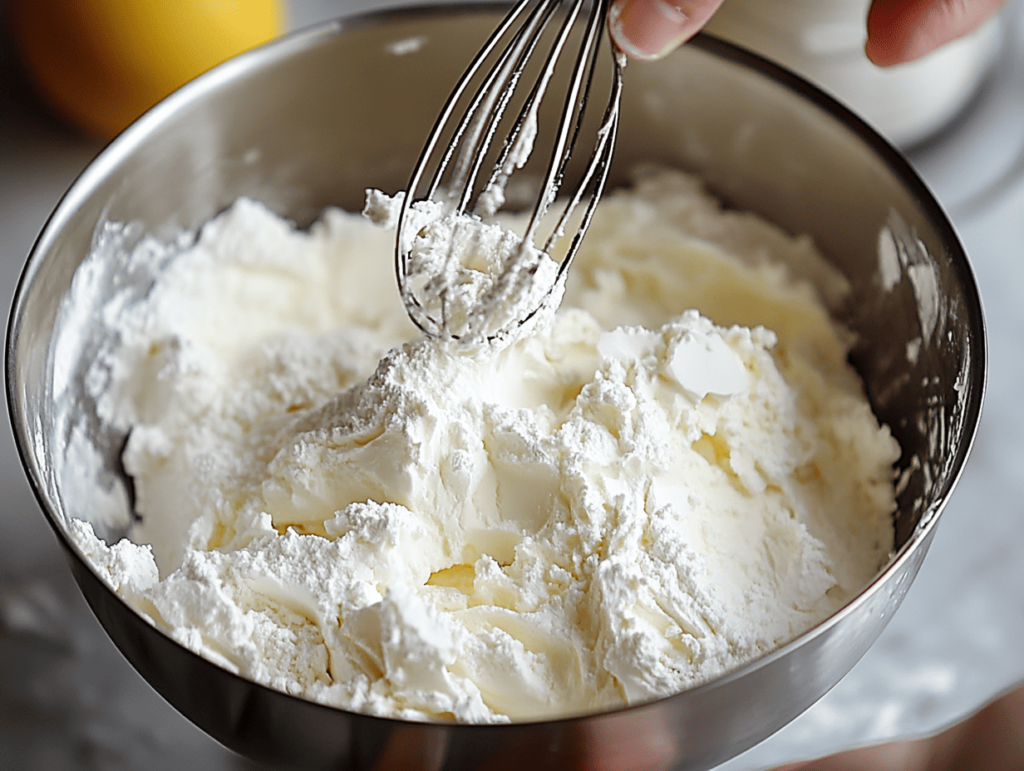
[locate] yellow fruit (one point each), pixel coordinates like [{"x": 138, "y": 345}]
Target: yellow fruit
[{"x": 102, "y": 63}]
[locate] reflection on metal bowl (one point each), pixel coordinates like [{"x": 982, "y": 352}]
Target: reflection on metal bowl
[{"x": 314, "y": 119}]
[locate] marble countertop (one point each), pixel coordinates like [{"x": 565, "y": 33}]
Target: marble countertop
[{"x": 68, "y": 700}]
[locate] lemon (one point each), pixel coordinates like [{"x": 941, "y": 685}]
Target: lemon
[{"x": 102, "y": 63}]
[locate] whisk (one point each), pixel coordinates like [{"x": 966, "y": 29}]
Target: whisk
[{"x": 533, "y": 38}]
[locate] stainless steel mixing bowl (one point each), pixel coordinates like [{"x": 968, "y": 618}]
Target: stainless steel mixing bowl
[{"x": 314, "y": 119}]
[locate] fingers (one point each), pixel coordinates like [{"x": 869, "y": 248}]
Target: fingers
[
  {"x": 649, "y": 29},
  {"x": 903, "y": 30},
  {"x": 412, "y": 748},
  {"x": 898, "y": 30},
  {"x": 905, "y": 756}
]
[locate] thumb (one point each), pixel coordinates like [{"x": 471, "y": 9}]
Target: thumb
[{"x": 649, "y": 29}]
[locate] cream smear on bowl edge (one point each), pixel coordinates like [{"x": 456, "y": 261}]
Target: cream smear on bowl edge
[{"x": 626, "y": 502}]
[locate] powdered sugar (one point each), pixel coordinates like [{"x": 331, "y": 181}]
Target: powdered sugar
[
  {"x": 466, "y": 279},
  {"x": 590, "y": 515}
]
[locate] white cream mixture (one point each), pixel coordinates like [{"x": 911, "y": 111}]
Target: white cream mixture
[{"x": 628, "y": 502}]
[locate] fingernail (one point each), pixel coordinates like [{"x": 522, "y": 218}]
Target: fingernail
[{"x": 648, "y": 29}]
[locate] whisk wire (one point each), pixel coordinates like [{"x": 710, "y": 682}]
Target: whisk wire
[
  {"x": 575, "y": 106},
  {"x": 451, "y": 104},
  {"x": 469, "y": 142},
  {"x": 510, "y": 158},
  {"x": 497, "y": 90}
]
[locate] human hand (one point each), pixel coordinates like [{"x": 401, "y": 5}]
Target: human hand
[
  {"x": 903, "y": 30},
  {"x": 992, "y": 739},
  {"x": 649, "y": 29},
  {"x": 898, "y": 30}
]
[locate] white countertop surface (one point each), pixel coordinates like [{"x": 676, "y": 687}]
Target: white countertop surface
[{"x": 68, "y": 700}]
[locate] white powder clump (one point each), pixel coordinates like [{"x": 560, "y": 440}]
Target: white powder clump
[
  {"x": 475, "y": 281},
  {"x": 633, "y": 499}
]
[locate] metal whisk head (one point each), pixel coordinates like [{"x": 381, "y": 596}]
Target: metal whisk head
[{"x": 526, "y": 54}]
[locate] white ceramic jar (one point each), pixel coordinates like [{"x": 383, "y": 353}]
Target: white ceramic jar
[{"x": 823, "y": 40}]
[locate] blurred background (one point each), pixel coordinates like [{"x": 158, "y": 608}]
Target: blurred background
[{"x": 73, "y": 72}]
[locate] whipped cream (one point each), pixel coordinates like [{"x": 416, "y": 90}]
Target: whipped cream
[{"x": 629, "y": 501}]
